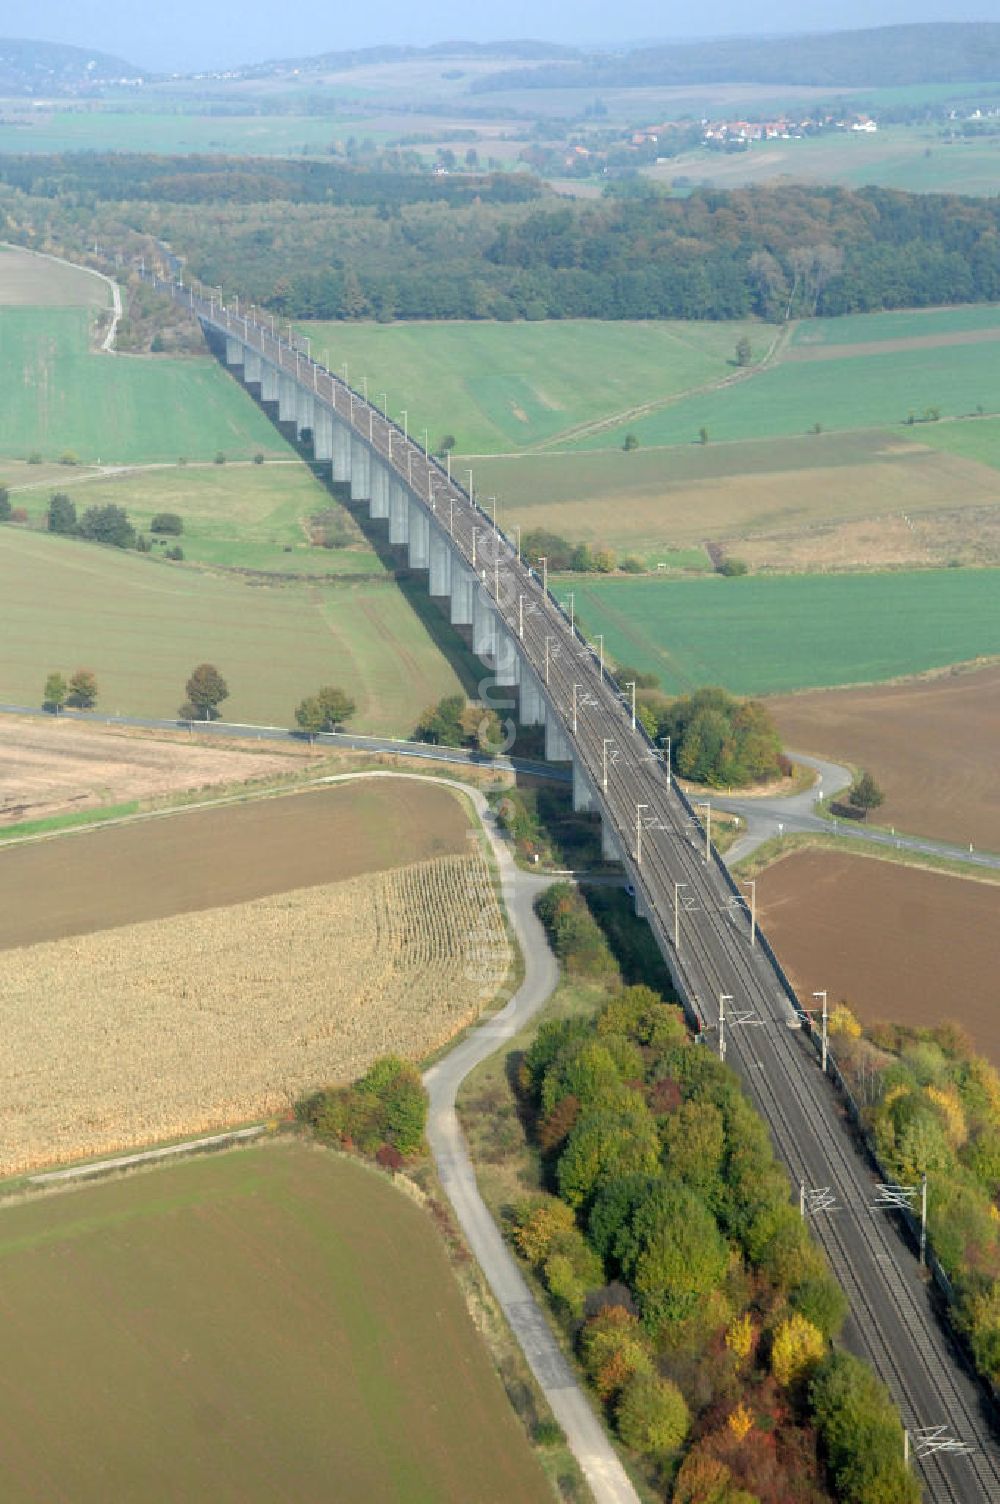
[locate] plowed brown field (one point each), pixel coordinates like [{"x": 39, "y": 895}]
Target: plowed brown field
[
  {"x": 931, "y": 745},
  {"x": 894, "y": 942},
  {"x": 204, "y": 859}
]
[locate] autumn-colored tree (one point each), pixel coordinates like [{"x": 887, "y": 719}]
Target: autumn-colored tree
[
  {"x": 540, "y": 1225},
  {"x": 797, "y": 1348},
  {"x": 557, "y": 1125},
  {"x": 82, "y": 689},
  {"x": 740, "y": 1337},
  {"x": 206, "y": 689},
  {"x": 613, "y": 1347}
]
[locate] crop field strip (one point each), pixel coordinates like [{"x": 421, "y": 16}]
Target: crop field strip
[
  {"x": 894, "y": 942},
  {"x": 109, "y": 878},
  {"x": 176, "y": 1026},
  {"x": 361, "y": 1371},
  {"x": 769, "y": 635}
]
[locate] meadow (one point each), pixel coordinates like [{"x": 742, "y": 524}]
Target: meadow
[
  {"x": 143, "y": 624},
  {"x": 498, "y": 387},
  {"x": 914, "y": 158},
  {"x": 361, "y": 1370},
  {"x": 877, "y": 389},
  {"x": 241, "y": 516},
  {"x": 60, "y": 395},
  {"x": 767, "y": 634}
]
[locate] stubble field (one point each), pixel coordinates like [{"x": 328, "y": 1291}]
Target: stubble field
[
  {"x": 174, "y": 976},
  {"x": 894, "y": 942},
  {"x": 790, "y": 502},
  {"x": 52, "y": 766},
  {"x": 930, "y": 744},
  {"x": 139, "y": 1376}
]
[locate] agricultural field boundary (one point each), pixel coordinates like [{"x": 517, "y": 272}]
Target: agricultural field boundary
[
  {"x": 772, "y": 356},
  {"x": 101, "y": 1167},
  {"x": 108, "y": 342},
  {"x": 585, "y": 1435}
]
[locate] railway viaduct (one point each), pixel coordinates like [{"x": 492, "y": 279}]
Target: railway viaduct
[{"x": 724, "y": 971}]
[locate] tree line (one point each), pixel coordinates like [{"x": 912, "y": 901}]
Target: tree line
[
  {"x": 701, "y": 1311},
  {"x": 772, "y": 252},
  {"x": 932, "y": 1105}
]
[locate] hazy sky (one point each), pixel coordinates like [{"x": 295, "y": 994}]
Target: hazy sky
[{"x": 190, "y": 34}]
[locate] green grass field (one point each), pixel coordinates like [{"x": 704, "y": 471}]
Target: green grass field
[
  {"x": 269, "y": 1323},
  {"x": 242, "y": 516},
  {"x": 771, "y": 634},
  {"x": 979, "y": 439},
  {"x": 914, "y": 158},
  {"x": 499, "y": 387},
  {"x": 855, "y": 391},
  {"x": 58, "y": 395},
  {"x": 143, "y": 624},
  {"x": 172, "y": 134},
  {"x": 909, "y": 323}
]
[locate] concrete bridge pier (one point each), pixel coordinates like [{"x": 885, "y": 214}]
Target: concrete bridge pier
[
  {"x": 583, "y": 798},
  {"x": 234, "y": 351},
  {"x": 463, "y": 590},
  {"x": 251, "y": 367},
  {"x": 399, "y": 513},
  {"x": 341, "y": 451},
  {"x": 305, "y": 411},
  {"x": 484, "y": 627},
  {"x": 531, "y": 710},
  {"x": 361, "y": 482},
  {"x": 610, "y": 849},
  {"x": 440, "y": 565},
  {"x": 418, "y": 535},
  {"x": 322, "y": 433},
  {"x": 508, "y": 660},
  {"x": 288, "y": 400},
  {"x": 557, "y": 747},
  {"x": 379, "y": 501},
  {"x": 268, "y": 382}
]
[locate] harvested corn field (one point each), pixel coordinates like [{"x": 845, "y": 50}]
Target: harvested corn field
[{"x": 178, "y": 1025}]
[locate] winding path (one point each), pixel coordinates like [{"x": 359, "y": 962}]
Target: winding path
[{"x": 585, "y": 1434}]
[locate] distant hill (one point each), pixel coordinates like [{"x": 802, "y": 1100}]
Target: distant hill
[
  {"x": 933, "y": 52},
  {"x": 43, "y": 69},
  {"x": 362, "y": 57}
]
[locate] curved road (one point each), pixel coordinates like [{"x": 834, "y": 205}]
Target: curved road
[{"x": 585, "y": 1434}]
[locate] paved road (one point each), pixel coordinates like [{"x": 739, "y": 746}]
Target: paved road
[
  {"x": 795, "y": 814},
  {"x": 702, "y": 928},
  {"x": 345, "y": 740},
  {"x": 607, "y": 1478}
]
